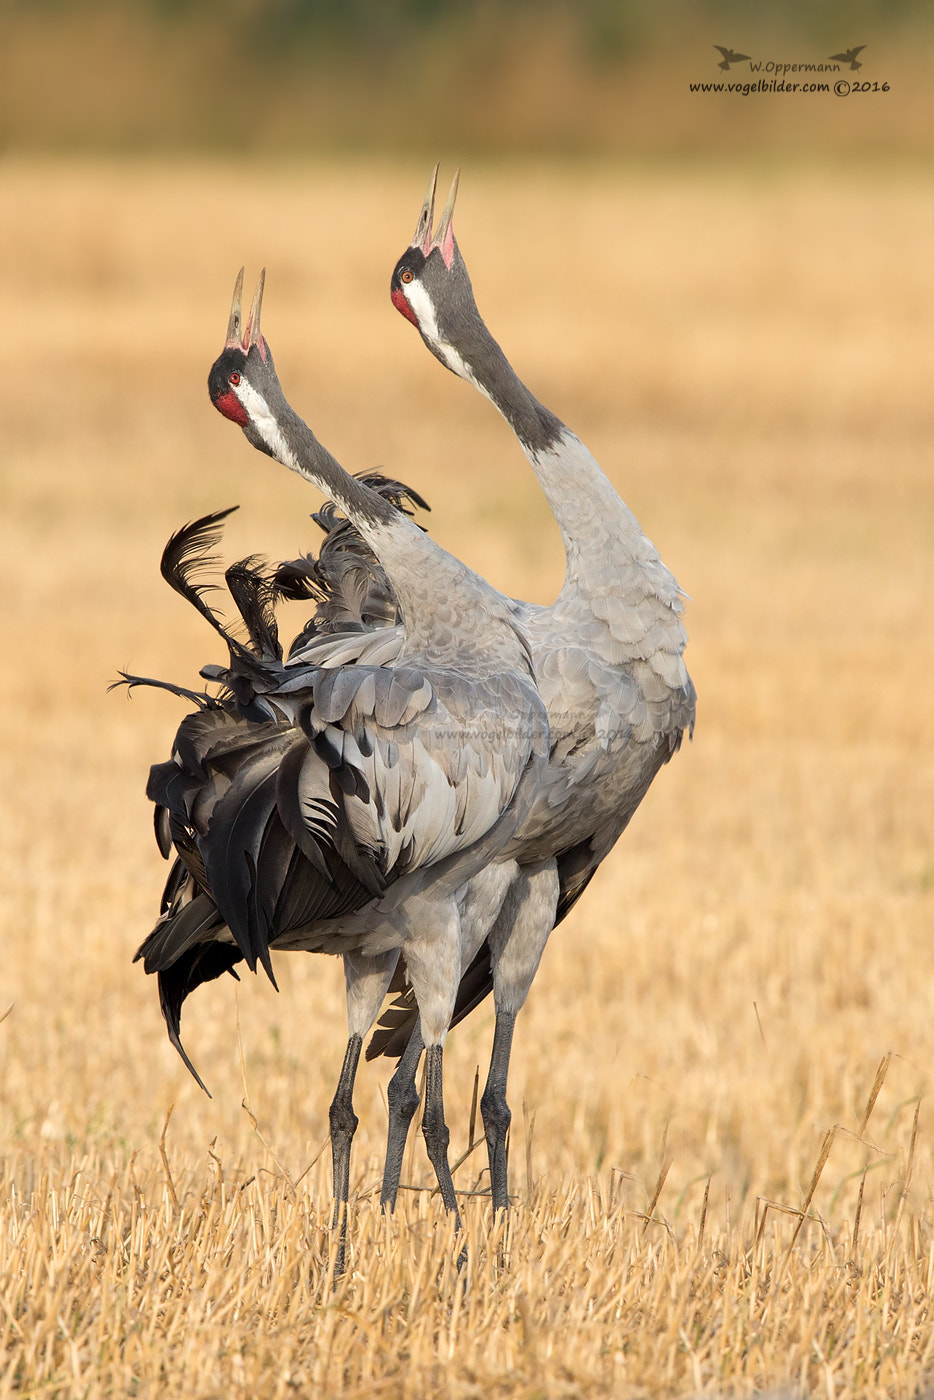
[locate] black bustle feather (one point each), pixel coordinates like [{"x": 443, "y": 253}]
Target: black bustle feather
[
  {"x": 265, "y": 860},
  {"x": 162, "y": 827},
  {"x": 201, "y": 698},
  {"x": 230, "y": 850},
  {"x": 190, "y": 923},
  {"x": 178, "y": 875},
  {"x": 189, "y": 549},
  {"x": 255, "y": 596},
  {"x": 202, "y": 963}
]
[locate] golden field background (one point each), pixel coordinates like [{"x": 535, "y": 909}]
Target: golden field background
[
  {"x": 748, "y": 355},
  {"x": 569, "y": 79}
]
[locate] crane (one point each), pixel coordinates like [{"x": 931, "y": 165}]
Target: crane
[
  {"x": 608, "y": 659},
  {"x": 340, "y": 800}
]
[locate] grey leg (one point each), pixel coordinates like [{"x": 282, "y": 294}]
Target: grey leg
[
  {"x": 402, "y": 1097},
  {"x": 435, "y": 1129},
  {"x": 517, "y": 941},
  {"x": 495, "y": 1109},
  {"x": 343, "y": 1126}
]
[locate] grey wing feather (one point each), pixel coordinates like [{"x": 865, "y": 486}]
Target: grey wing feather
[{"x": 250, "y": 809}]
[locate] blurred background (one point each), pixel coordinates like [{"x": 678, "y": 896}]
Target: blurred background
[
  {"x": 729, "y": 297},
  {"x": 559, "y": 79}
]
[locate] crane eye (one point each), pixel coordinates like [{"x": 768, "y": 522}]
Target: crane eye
[
  {"x": 234, "y": 378},
  {"x": 405, "y": 275}
]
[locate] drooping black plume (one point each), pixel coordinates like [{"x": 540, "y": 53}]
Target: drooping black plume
[
  {"x": 201, "y": 698},
  {"x": 189, "y": 549},
  {"x": 202, "y": 963},
  {"x": 254, "y": 593},
  {"x": 261, "y": 854}
]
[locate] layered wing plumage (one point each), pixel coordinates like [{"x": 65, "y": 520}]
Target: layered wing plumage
[{"x": 304, "y": 789}]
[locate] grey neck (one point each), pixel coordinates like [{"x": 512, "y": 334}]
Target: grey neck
[
  {"x": 424, "y": 577},
  {"x": 595, "y": 523}
]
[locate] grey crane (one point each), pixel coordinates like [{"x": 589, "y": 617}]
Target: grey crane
[
  {"x": 346, "y": 797},
  {"x": 608, "y": 658}
]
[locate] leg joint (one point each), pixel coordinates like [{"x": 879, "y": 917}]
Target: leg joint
[
  {"x": 496, "y": 1113},
  {"x": 402, "y": 1097},
  {"x": 342, "y": 1119},
  {"x": 437, "y": 1135}
]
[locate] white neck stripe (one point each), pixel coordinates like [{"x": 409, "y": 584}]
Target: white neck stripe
[{"x": 263, "y": 420}]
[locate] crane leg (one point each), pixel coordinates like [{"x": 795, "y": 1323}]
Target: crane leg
[
  {"x": 402, "y": 1097},
  {"x": 517, "y": 942},
  {"x": 436, "y": 1130},
  {"x": 343, "y": 1122},
  {"x": 495, "y": 1109}
]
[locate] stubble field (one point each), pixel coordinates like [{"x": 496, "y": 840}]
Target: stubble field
[{"x": 702, "y": 1203}]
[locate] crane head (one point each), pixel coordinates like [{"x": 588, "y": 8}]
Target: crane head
[
  {"x": 243, "y": 375},
  {"x": 430, "y": 285}
]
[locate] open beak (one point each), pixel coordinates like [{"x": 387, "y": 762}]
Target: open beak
[
  {"x": 426, "y": 218},
  {"x": 444, "y": 233},
  {"x": 240, "y": 336},
  {"x": 236, "y": 317},
  {"x": 253, "y": 335}
]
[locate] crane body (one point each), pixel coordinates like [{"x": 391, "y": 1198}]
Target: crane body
[
  {"x": 608, "y": 660},
  {"x": 339, "y": 806}
]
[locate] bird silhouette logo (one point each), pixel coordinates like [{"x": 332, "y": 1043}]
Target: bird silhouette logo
[
  {"x": 849, "y": 57},
  {"x": 729, "y": 57}
]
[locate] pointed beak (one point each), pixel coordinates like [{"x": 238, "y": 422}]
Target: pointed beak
[
  {"x": 240, "y": 336},
  {"x": 236, "y": 315},
  {"x": 253, "y": 335},
  {"x": 422, "y": 239},
  {"x": 444, "y": 234}
]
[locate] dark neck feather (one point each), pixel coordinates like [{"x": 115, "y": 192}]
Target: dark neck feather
[
  {"x": 358, "y": 502},
  {"x": 536, "y": 427},
  {"x": 420, "y": 571},
  {"x": 465, "y": 332},
  {"x": 595, "y": 523}
]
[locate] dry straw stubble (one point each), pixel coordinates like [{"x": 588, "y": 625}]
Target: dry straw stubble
[{"x": 720, "y": 1002}]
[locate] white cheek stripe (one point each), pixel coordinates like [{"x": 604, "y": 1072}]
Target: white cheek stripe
[
  {"x": 422, "y": 305},
  {"x": 424, "y": 310},
  {"x": 265, "y": 424}
]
